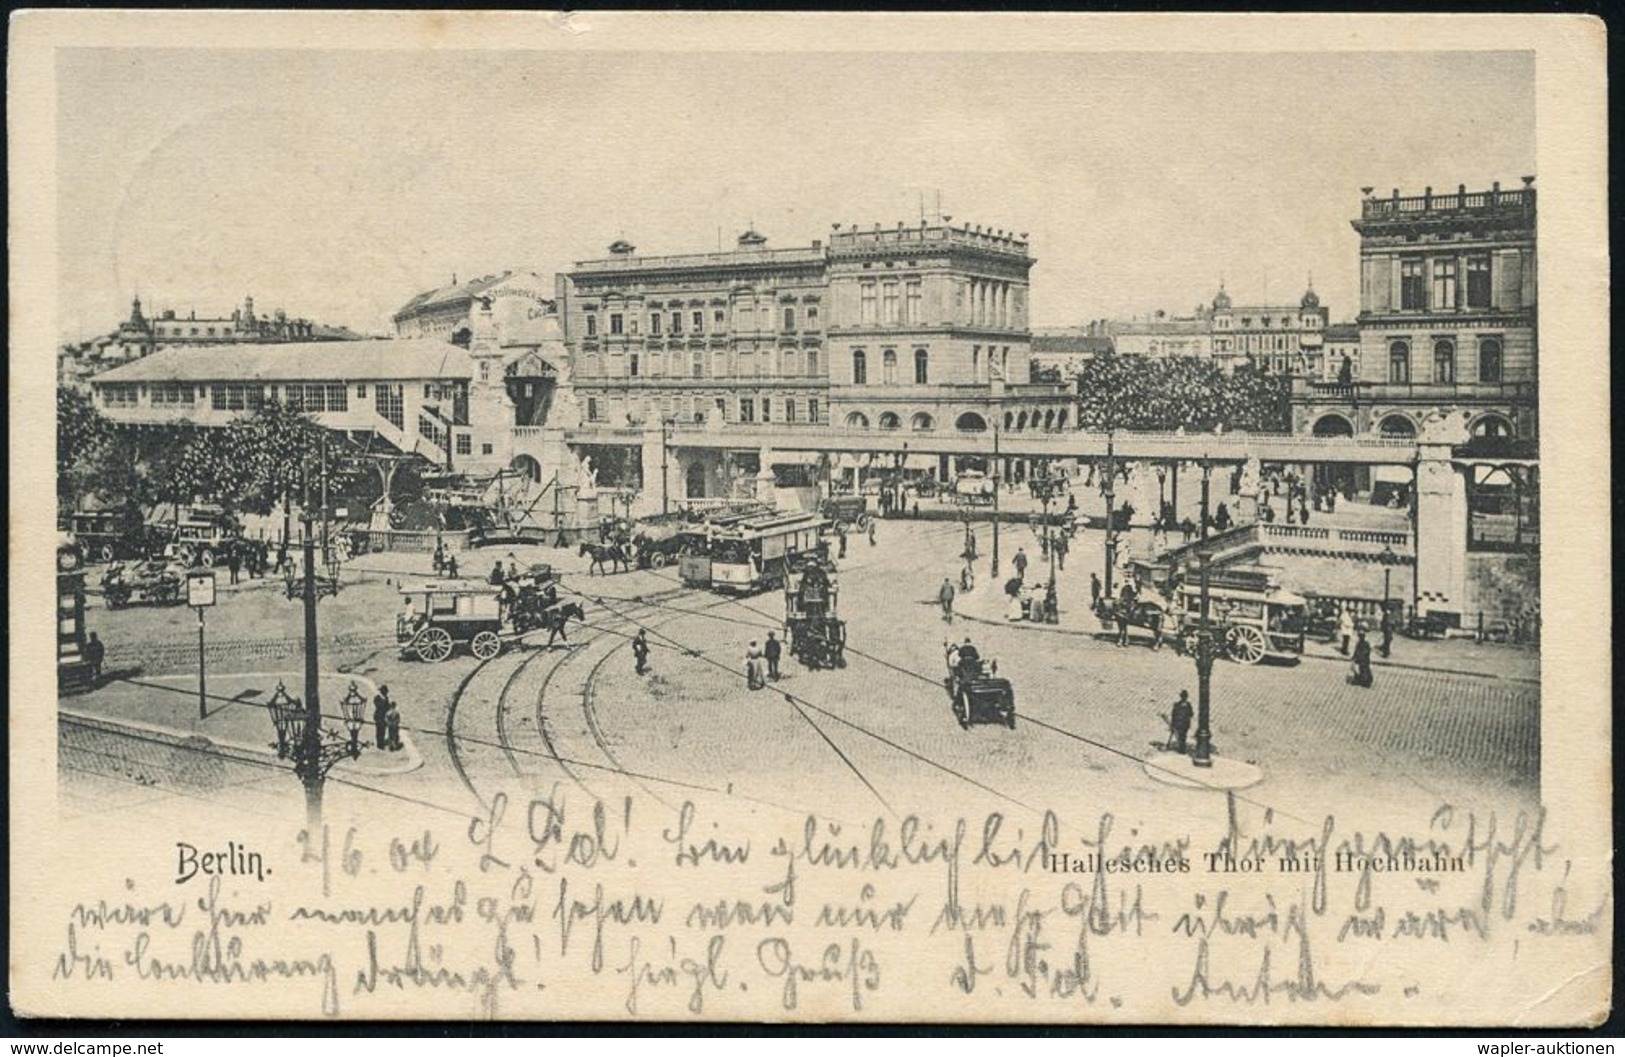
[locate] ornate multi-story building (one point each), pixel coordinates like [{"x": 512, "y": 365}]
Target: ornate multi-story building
[
  {"x": 905, "y": 328},
  {"x": 1281, "y": 339},
  {"x": 1447, "y": 319}
]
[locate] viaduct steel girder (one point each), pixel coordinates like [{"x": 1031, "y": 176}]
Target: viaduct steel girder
[{"x": 1224, "y": 447}]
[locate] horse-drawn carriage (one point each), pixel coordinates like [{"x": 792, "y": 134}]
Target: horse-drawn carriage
[
  {"x": 978, "y": 692},
  {"x": 155, "y": 581},
  {"x": 480, "y": 616},
  {"x": 817, "y": 637},
  {"x": 845, "y": 510},
  {"x": 1251, "y": 618}
]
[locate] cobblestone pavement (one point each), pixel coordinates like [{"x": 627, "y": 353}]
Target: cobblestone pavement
[{"x": 880, "y": 734}]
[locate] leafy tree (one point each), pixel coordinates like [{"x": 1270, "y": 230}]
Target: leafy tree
[
  {"x": 81, "y": 435},
  {"x": 1135, "y": 393}
]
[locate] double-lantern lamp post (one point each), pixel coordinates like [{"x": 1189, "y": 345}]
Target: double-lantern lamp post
[
  {"x": 1162, "y": 495},
  {"x": 299, "y": 732},
  {"x": 1046, "y": 488},
  {"x": 1108, "y": 486},
  {"x": 1207, "y": 649}
]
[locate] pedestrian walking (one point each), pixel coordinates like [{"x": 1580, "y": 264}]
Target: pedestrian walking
[
  {"x": 1020, "y": 563},
  {"x": 392, "y": 727},
  {"x": 1094, "y": 591},
  {"x": 1122, "y": 624},
  {"x": 1361, "y": 675},
  {"x": 95, "y": 653},
  {"x": 234, "y": 562},
  {"x": 439, "y": 558},
  {"x": 513, "y": 566},
  {"x": 451, "y": 566},
  {"x": 753, "y": 667},
  {"x": 1179, "y": 722},
  {"x": 1060, "y": 552},
  {"x": 945, "y": 596},
  {"x": 381, "y": 704},
  {"x": 640, "y": 650},
  {"x": 497, "y": 577},
  {"x": 967, "y": 576},
  {"x": 1345, "y": 630},
  {"x": 1387, "y": 632},
  {"x": 871, "y": 533},
  {"x": 840, "y": 537},
  {"x": 772, "y": 652}
]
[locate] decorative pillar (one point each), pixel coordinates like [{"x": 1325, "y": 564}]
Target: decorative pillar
[{"x": 1440, "y": 535}]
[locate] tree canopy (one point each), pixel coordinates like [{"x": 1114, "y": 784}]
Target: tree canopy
[{"x": 1138, "y": 393}]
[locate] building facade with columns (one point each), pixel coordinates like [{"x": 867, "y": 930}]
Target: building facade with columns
[
  {"x": 912, "y": 328},
  {"x": 1281, "y": 339},
  {"x": 1447, "y": 324}
]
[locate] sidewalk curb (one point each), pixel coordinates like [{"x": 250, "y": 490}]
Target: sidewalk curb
[
  {"x": 230, "y": 749},
  {"x": 1027, "y": 625}
]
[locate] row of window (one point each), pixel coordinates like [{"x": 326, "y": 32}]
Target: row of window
[
  {"x": 888, "y": 367},
  {"x": 663, "y": 324},
  {"x": 746, "y": 363},
  {"x": 745, "y": 411},
  {"x": 1491, "y": 361},
  {"x": 881, "y": 303},
  {"x": 1222, "y": 322},
  {"x": 1422, "y": 289},
  {"x": 313, "y": 398}
]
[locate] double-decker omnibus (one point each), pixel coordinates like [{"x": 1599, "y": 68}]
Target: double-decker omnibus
[{"x": 753, "y": 551}]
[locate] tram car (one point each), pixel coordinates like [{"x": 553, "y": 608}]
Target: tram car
[
  {"x": 817, "y": 636},
  {"x": 980, "y": 695},
  {"x": 753, "y": 552},
  {"x": 973, "y": 488}
]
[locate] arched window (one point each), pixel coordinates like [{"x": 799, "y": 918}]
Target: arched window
[
  {"x": 1444, "y": 361},
  {"x": 860, "y": 369},
  {"x": 889, "y": 420},
  {"x": 1489, "y": 360},
  {"x": 1333, "y": 426},
  {"x": 1049, "y": 420},
  {"x": 1021, "y": 420},
  {"x": 922, "y": 367},
  {"x": 857, "y": 420},
  {"x": 1060, "y": 419},
  {"x": 888, "y": 367},
  {"x": 1396, "y": 426},
  {"x": 1492, "y": 426},
  {"x": 970, "y": 422},
  {"x": 1399, "y": 363},
  {"x": 1009, "y": 420},
  {"x": 921, "y": 421}
]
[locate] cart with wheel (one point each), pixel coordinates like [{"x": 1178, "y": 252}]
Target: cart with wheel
[
  {"x": 978, "y": 692},
  {"x": 817, "y": 636},
  {"x": 442, "y": 615}
]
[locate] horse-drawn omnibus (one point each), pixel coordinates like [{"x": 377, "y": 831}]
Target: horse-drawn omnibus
[
  {"x": 440, "y": 615},
  {"x": 1253, "y": 616},
  {"x": 750, "y": 553}
]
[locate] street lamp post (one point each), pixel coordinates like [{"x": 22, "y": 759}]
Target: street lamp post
[
  {"x": 993, "y": 573},
  {"x": 1207, "y": 472},
  {"x": 665, "y": 445},
  {"x": 1162, "y": 494},
  {"x": 1202, "y": 756},
  {"x": 1108, "y": 487},
  {"x": 1045, "y": 488}
]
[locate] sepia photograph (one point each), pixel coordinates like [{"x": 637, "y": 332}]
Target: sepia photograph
[{"x": 813, "y": 517}]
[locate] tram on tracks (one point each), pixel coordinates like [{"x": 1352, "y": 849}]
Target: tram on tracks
[{"x": 752, "y": 552}]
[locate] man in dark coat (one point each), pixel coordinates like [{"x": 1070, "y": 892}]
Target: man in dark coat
[
  {"x": 1179, "y": 723},
  {"x": 1094, "y": 591},
  {"x": 1362, "y": 662},
  {"x": 640, "y": 650},
  {"x": 1020, "y": 562},
  {"x": 381, "y": 705},
  {"x": 95, "y": 653},
  {"x": 772, "y": 651}
]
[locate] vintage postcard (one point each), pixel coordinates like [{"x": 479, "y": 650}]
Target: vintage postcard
[{"x": 979, "y": 518}]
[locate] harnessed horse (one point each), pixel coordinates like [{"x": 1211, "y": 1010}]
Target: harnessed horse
[{"x": 612, "y": 554}]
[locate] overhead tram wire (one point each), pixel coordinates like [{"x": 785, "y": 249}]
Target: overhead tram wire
[{"x": 1040, "y": 724}]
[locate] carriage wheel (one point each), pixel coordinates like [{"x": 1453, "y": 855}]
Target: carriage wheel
[
  {"x": 962, "y": 709},
  {"x": 862, "y": 523},
  {"x": 433, "y": 645},
  {"x": 1246, "y": 644},
  {"x": 840, "y": 660},
  {"x": 206, "y": 558},
  {"x": 486, "y": 645},
  {"x": 106, "y": 553},
  {"x": 657, "y": 560}
]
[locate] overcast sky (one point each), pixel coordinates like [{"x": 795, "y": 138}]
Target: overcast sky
[{"x": 336, "y": 185}]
